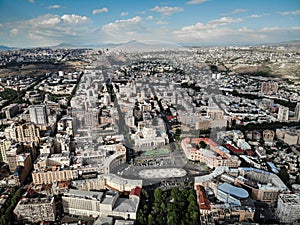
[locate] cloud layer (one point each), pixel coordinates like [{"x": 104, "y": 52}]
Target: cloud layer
[
  {"x": 166, "y": 10},
  {"x": 97, "y": 11},
  {"x": 158, "y": 22}
]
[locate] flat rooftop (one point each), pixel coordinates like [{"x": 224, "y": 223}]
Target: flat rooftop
[{"x": 233, "y": 190}]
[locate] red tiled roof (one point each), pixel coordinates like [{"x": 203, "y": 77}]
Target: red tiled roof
[
  {"x": 202, "y": 199},
  {"x": 136, "y": 191}
]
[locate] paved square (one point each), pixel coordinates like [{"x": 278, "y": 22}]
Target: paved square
[{"x": 162, "y": 173}]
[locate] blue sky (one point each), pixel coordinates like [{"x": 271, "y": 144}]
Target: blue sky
[{"x": 32, "y": 23}]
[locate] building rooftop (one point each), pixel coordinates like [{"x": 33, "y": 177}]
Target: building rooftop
[
  {"x": 84, "y": 194},
  {"x": 125, "y": 205},
  {"x": 233, "y": 191},
  {"x": 124, "y": 222},
  {"x": 119, "y": 180},
  {"x": 103, "y": 221},
  {"x": 291, "y": 199},
  {"x": 217, "y": 172}
]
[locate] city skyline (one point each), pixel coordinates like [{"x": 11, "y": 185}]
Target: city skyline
[{"x": 37, "y": 23}]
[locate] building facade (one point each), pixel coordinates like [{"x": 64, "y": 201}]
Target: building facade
[
  {"x": 36, "y": 210},
  {"x": 38, "y": 114},
  {"x": 288, "y": 208}
]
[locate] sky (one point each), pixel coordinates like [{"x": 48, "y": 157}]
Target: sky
[{"x": 41, "y": 23}]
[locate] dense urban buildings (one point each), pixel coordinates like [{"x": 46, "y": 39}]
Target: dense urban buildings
[{"x": 90, "y": 143}]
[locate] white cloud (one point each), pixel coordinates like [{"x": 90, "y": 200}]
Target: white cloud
[
  {"x": 31, "y": 1},
  {"x": 166, "y": 10},
  {"x": 50, "y": 29},
  {"x": 296, "y": 12},
  {"x": 119, "y": 25},
  {"x": 124, "y": 13},
  {"x": 224, "y": 21},
  {"x": 125, "y": 30},
  {"x": 257, "y": 15},
  {"x": 74, "y": 19},
  {"x": 54, "y": 7},
  {"x": 14, "y": 32},
  {"x": 192, "y": 2},
  {"x": 149, "y": 18},
  {"x": 160, "y": 22},
  {"x": 46, "y": 20},
  {"x": 97, "y": 11},
  {"x": 207, "y": 34},
  {"x": 236, "y": 11}
]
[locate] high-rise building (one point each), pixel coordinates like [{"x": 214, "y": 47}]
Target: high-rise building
[
  {"x": 4, "y": 147},
  {"x": 288, "y": 208},
  {"x": 27, "y": 132},
  {"x": 283, "y": 113},
  {"x": 38, "y": 114},
  {"x": 297, "y": 111},
  {"x": 11, "y": 110},
  {"x": 215, "y": 114}
]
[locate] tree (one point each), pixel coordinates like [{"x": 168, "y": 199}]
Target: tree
[
  {"x": 141, "y": 219},
  {"x": 284, "y": 175},
  {"x": 174, "y": 192},
  {"x": 145, "y": 193},
  {"x": 202, "y": 144},
  {"x": 157, "y": 195},
  {"x": 151, "y": 220},
  {"x": 177, "y": 134}
]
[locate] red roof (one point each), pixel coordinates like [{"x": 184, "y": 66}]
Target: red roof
[
  {"x": 171, "y": 117},
  {"x": 136, "y": 191},
  {"x": 203, "y": 201}
]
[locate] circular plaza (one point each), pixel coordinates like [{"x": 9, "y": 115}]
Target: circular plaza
[{"x": 162, "y": 173}]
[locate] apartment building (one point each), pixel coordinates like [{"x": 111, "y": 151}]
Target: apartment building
[{"x": 36, "y": 210}]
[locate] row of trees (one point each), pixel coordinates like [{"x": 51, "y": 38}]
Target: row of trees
[
  {"x": 7, "y": 215},
  {"x": 172, "y": 207},
  {"x": 264, "y": 125},
  {"x": 289, "y": 104}
]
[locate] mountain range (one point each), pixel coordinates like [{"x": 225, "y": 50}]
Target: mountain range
[{"x": 145, "y": 45}]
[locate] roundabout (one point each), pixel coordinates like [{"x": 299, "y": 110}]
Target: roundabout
[{"x": 162, "y": 173}]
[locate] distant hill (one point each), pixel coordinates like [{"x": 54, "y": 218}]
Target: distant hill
[
  {"x": 146, "y": 45},
  {"x": 292, "y": 43},
  {"x": 6, "y": 48},
  {"x": 65, "y": 45}
]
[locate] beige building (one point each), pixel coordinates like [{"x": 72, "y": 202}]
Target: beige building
[
  {"x": 291, "y": 138},
  {"x": 283, "y": 113},
  {"x": 215, "y": 114},
  {"x": 49, "y": 177},
  {"x": 4, "y": 147},
  {"x": 27, "y": 132},
  {"x": 215, "y": 156},
  {"x": 264, "y": 186},
  {"x": 110, "y": 181}
]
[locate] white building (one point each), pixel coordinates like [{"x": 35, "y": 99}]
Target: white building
[
  {"x": 38, "y": 114},
  {"x": 288, "y": 208},
  {"x": 297, "y": 111},
  {"x": 108, "y": 203},
  {"x": 283, "y": 113}
]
